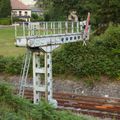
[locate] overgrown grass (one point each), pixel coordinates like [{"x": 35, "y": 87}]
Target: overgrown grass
[{"x": 7, "y": 40}]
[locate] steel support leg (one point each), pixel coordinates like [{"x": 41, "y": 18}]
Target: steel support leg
[
  {"x": 48, "y": 76},
  {"x": 36, "y": 77},
  {"x": 38, "y": 86}
]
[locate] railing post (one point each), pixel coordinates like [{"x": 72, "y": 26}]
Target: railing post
[
  {"x": 44, "y": 28},
  {"x": 66, "y": 27},
  {"x": 23, "y": 29},
  {"x": 15, "y": 30},
  {"x": 53, "y": 27},
  {"x": 60, "y": 27},
  {"x": 47, "y": 28},
  {"x": 72, "y": 27},
  {"x": 77, "y": 27}
]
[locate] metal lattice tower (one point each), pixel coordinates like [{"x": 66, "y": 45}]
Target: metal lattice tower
[{"x": 41, "y": 38}]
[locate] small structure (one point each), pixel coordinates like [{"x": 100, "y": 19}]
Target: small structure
[
  {"x": 73, "y": 16},
  {"x": 29, "y": 2},
  {"x": 36, "y": 10},
  {"x": 20, "y": 10},
  {"x": 33, "y": 5}
]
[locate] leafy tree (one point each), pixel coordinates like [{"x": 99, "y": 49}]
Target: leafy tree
[
  {"x": 102, "y": 11},
  {"x": 5, "y": 8},
  {"x": 100, "y": 57}
]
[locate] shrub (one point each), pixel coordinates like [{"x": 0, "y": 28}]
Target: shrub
[
  {"x": 100, "y": 57},
  {"x": 5, "y": 21},
  {"x": 15, "y": 19},
  {"x": 36, "y": 18},
  {"x": 10, "y": 65}
]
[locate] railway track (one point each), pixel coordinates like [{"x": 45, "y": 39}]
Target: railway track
[{"x": 96, "y": 106}]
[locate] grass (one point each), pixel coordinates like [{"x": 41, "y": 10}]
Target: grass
[{"x": 7, "y": 40}]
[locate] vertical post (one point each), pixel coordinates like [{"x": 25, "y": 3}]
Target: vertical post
[
  {"x": 23, "y": 29},
  {"x": 66, "y": 27},
  {"x": 29, "y": 29},
  {"x": 47, "y": 28},
  {"x": 77, "y": 27},
  {"x": 40, "y": 29},
  {"x": 36, "y": 77},
  {"x": 48, "y": 76},
  {"x": 15, "y": 30},
  {"x": 44, "y": 29},
  {"x": 51, "y": 27},
  {"x": 60, "y": 23},
  {"x": 72, "y": 27},
  {"x": 81, "y": 26}
]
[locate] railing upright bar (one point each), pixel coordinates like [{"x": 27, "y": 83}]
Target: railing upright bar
[
  {"x": 15, "y": 30},
  {"x": 66, "y": 27},
  {"x": 53, "y": 27},
  {"x": 29, "y": 29},
  {"x": 72, "y": 27},
  {"x": 44, "y": 33},
  {"x": 77, "y": 27},
  {"x": 47, "y": 28},
  {"x": 60, "y": 28}
]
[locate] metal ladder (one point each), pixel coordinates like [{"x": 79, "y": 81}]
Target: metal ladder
[{"x": 24, "y": 73}]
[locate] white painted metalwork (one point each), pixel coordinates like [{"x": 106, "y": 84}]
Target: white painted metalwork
[
  {"x": 44, "y": 32},
  {"x": 42, "y": 38},
  {"x": 24, "y": 73},
  {"x": 42, "y": 75}
]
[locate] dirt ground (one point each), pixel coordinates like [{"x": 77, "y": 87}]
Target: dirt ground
[{"x": 104, "y": 88}]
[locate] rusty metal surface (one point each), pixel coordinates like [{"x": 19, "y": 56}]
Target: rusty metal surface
[{"x": 95, "y": 106}]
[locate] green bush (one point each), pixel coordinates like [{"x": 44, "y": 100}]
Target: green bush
[
  {"x": 101, "y": 56},
  {"x": 3, "y": 62},
  {"x": 11, "y": 65},
  {"x": 5, "y": 21},
  {"x": 15, "y": 19},
  {"x": 36, "y": 18}
]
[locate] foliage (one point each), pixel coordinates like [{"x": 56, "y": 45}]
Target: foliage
[
  {"x": 15, "y": 108},
  {"x": 101, "y": 56},
  {"x": 37, "y": 18},
  {"x": 102, "y": 11},
  {"x": 5, "y": 8},
  {"x": 15, "y": 19},
  {"x": 5, "y": 21},
  {"x": 10, "y": 65}
]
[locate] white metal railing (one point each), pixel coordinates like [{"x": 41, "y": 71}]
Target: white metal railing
[{"x": 27, "y": 29}]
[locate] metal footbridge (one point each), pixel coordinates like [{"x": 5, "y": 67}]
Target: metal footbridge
[{"x": 40, "y": 39}]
